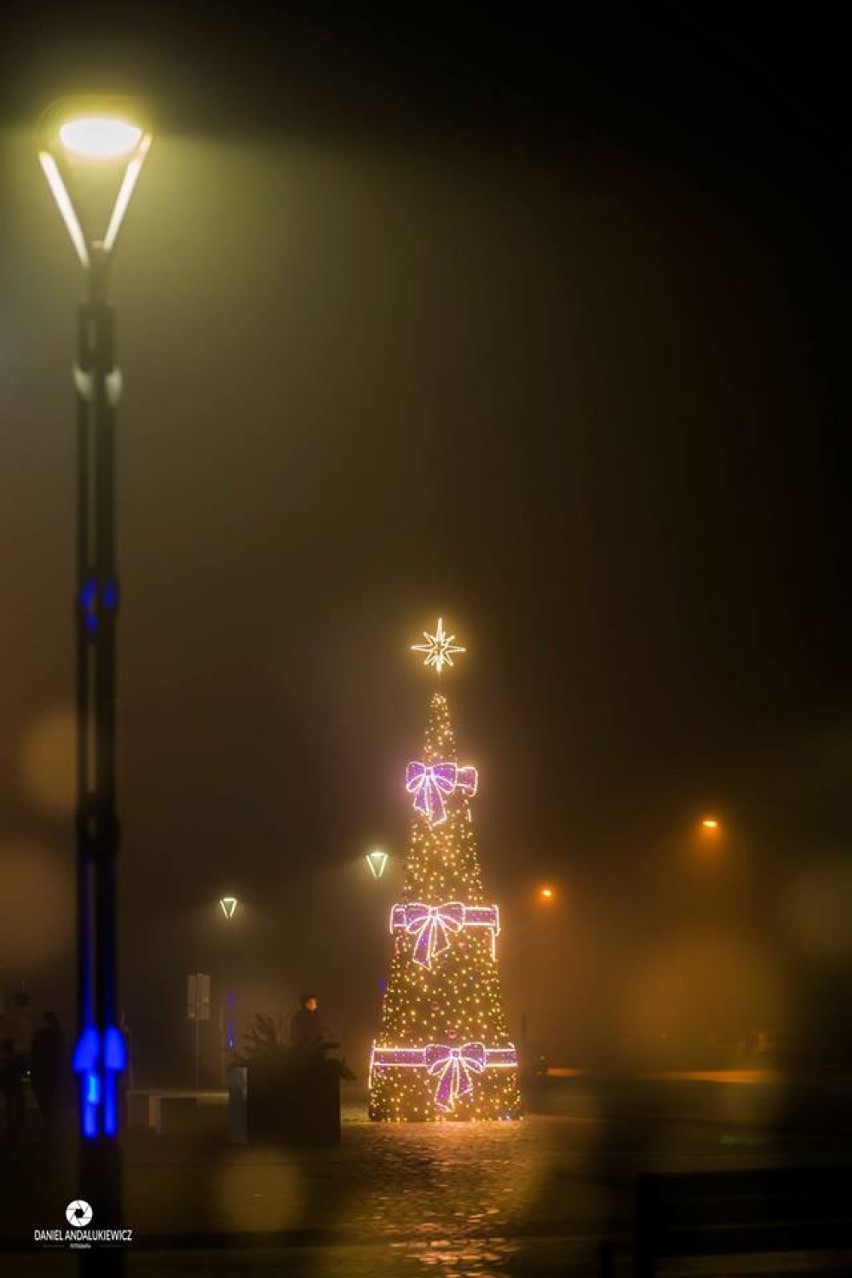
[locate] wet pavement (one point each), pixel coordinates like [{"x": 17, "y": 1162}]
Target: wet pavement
[{"x": 451, "y": 1200}]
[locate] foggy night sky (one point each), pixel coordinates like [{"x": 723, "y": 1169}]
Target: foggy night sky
[{"x": 542, "y": 329}]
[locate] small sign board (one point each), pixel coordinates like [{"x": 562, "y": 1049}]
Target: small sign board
[{"x": 198, "y": 996}]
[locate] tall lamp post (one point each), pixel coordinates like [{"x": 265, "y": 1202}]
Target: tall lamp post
[
  {"x": 92, "y": 154},
  {"x": 228, "y": 906}
]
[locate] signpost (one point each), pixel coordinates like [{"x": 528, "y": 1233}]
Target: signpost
[{"x": 198, "y": 1010}]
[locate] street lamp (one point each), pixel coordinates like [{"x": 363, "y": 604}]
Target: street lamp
[
  {"x": 377, "y": 861},
  {"x": 546, "y": 894},
  {"x": 709, "y": 825},
  {"x": 228, "y": 906},
  {"x": 91, "y": 153}
]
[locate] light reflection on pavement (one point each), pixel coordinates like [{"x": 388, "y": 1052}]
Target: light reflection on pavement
[{"x": 489, "y": 1200}]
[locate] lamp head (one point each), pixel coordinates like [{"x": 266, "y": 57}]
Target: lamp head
[
  {"x": 98, "y": 130},
  {"x": 377, "y": 862},
  {"x": 91, "y": 151}
]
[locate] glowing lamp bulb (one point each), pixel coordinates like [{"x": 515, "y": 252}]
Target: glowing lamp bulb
[
  {"x": 229, "y": 905},
  {"x": 709, "y": 823},
  {"x": 546, "y": 893},
  {"x": 99, "y": 137}
]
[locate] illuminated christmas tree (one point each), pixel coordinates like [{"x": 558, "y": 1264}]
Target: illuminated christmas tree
[{"x": 444, "y": 1050}]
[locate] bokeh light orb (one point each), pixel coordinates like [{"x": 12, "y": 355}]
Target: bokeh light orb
[
  {"x": 47, "y": 756},
  {"x": 816, "y": 909},
  {"x": 264, "y": 1196},
  {"x": 36, "y": 906}
]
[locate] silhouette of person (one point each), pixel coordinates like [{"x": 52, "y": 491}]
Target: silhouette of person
[
  {"x": 47, "y": 1068},
  {"x": 307, "y": 1032},
  {"x": 7, "y": 1085},
  {"x": 15, "y": 1040}
]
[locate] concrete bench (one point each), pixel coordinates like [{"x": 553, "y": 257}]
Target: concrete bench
[
  {"x": 173, "y": 1115},
  {"x": 138, "y": 1109}
]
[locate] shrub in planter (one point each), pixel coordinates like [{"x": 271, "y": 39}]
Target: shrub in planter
[{"x": 291, "y": 1096}]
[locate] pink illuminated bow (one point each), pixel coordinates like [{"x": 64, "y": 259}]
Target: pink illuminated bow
[
  {"x": 430, "y": 782},
  {"x": 432, "y": 923},
  {"x": 455, "y": 1065}
]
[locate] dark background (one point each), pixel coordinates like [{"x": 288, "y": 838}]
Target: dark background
[{"x": 535, "y": 322}]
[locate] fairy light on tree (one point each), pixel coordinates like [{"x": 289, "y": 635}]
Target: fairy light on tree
[{"x": 443, "y": 1051}]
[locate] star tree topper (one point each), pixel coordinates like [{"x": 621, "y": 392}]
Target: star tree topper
[{"x": 438, "y": 647}]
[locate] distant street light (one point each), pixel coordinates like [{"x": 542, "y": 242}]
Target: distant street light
[
  {"x": 377, "y": 861},
  {"x": 710, "y": 825},
  {"x": 91, "y": 155},
  {"x": 228, "y": 906},
  {"x": 546, "y": 894}
]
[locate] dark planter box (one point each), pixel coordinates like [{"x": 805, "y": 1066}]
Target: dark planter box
[{"x": 285, "y": 1103}]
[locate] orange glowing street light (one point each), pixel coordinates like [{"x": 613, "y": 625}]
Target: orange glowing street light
[
  {"x": 710, "y": 825},
  {"x": 546, "y": 894}
]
